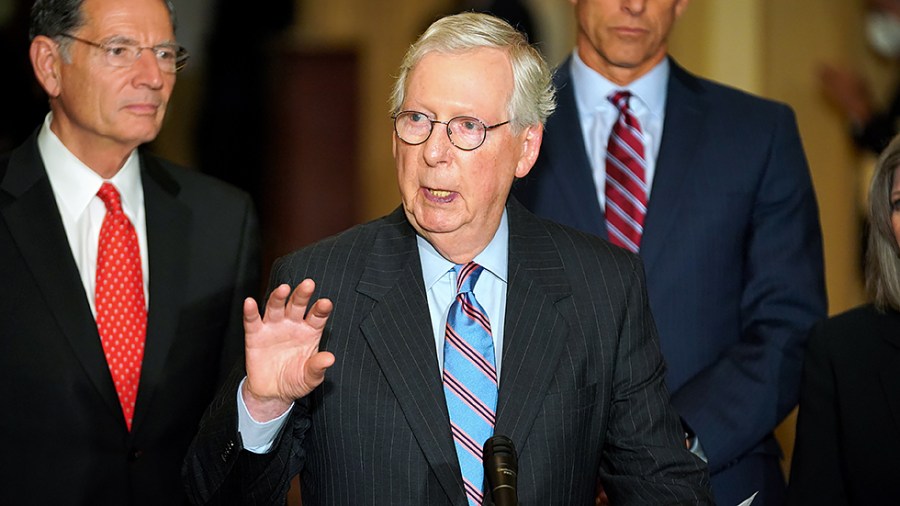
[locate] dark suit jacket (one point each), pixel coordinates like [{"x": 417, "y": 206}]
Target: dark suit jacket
[
  {"x": 65, "y": 439},
  {"x": 581, "y": 387},
  {"x": 848, "y": 431},
  {"x": 733, "y": 254}
]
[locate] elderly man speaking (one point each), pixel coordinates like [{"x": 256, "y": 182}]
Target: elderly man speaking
[{"x": 458, "y": 316}]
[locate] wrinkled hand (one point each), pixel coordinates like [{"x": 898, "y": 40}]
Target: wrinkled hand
[{"x": 282, "y": 349}]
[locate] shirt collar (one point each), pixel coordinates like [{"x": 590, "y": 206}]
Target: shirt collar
[
  {"x": 75, "y": 184},
  {"x": 592, "y": 89},
  {"x": 494, "y": 258}
]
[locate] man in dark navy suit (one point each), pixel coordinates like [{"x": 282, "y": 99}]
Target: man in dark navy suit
[{"x": 726, "y": 223}]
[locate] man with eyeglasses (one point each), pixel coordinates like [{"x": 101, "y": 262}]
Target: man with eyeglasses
[
  {"x": 458, "y": 316},
  {"x": 121, "y": 275}
]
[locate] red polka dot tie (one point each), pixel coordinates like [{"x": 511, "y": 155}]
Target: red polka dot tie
[{"x": 121, "y": 311}]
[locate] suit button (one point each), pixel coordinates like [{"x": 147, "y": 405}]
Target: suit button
[
  {"x": 135, "y": 454},
  {"x": 229, "y": 451}
]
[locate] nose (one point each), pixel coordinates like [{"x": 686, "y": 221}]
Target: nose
[
  {"x": 147, "y": 71},
  {"x": 634, "y": 7},
  {"x": 438, "y": 148}
]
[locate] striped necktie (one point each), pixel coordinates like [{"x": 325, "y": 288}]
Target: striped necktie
[
  {"x": 470, "y": 379},
  {"x": 626, "y": 179},
  {"x": 119, "y": 299}
]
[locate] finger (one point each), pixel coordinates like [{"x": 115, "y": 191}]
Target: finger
[
  {"x": 319, "y": 314},
  {"x": 276, "y": 302},
  {"x": 300, "y": 299},
  {"x": 316, "y": 366},
  {"x": 252, "y": 320}
]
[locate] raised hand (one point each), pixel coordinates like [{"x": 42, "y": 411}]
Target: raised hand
[{"x": 282, "y": 349}]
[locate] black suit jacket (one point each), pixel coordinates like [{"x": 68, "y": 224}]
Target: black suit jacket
[
  {"x": 581, "y": 388},
  {"x": 65, "y": 439},
  {"x": 733, "y": 254},
  {"x": 848, "y": 431}
]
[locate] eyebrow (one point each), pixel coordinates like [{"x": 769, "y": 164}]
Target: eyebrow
[{"x": 128, "y": 41}]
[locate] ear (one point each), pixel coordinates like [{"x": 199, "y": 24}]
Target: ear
[
  {"x": 46, "y": 62},
  {"x": 394, "y": 144},
  {"x": 680, "y": 6},
  {"x": 531, "y": 146}
]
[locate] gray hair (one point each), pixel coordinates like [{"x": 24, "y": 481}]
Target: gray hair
[
  {"x": 52, "y": 18},
  {"x": 883, "y": 252},
  {"x": 533, "y": 96}
]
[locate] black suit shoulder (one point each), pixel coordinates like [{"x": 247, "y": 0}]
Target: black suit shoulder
[
  {"x": 854, "y": 336},
  {"x": 191, "y": 185}
]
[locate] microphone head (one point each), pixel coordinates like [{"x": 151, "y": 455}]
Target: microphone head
[{"x": 501, "y": 467}]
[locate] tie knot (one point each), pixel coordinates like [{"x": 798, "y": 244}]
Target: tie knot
[
  {"x": 620, "y": 99},
  {"x": 110, "y": 197},
  {"x": 466, "y": 277}
]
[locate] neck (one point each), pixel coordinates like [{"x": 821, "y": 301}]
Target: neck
[
  {"x": 617, "y": 73},
  {"x": 106, "y": 158}
]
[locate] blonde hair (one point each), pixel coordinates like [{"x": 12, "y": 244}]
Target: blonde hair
[{"x": 883, "y": 252}]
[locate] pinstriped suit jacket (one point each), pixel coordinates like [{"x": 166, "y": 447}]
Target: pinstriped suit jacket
[{"x": 582, "y": 392}]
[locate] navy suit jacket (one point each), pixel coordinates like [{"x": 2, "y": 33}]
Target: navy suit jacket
[
  {"x": 581, "y": 391},
  {"x": 733, "y": 255},
  {"x": 66, "y": 441}
]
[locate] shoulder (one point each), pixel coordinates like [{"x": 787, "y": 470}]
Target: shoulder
[
  {"x": 856, "y": 331},
  {"x": 191, "y": 186},
  {"x": 348, "y": 251},
  {"x": 584, "y": 257},
  {"x": 726, "y": 99}
]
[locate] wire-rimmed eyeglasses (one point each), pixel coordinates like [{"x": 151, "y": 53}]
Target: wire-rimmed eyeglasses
[
  {"x": 465, "y": 132},
  {"x": 171, "y": 58}
]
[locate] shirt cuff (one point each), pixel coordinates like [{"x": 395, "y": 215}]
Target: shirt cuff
[
  {"x": 696, "y": 448},
  {"x": 257, "y": 437}
]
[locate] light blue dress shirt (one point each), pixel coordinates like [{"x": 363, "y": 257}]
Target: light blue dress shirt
[{"x": 598, "y": 115}]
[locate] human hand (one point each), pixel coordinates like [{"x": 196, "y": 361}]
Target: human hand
[
  {"x": 848, "y": 90},
  {"x": 282, "y": 349}
]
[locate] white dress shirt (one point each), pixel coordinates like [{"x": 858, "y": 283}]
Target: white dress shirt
[{"x": 75, "y": 188}]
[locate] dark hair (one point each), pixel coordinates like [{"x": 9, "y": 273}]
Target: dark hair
[
  {"x": 883, "y": 252},
  {"x": 53, "y": 18}
]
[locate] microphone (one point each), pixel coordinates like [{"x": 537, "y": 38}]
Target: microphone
[{"x": 501, "y": 466}]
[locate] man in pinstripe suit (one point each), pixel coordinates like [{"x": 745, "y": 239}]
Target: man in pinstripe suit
[{"x": 581, "y": 389}]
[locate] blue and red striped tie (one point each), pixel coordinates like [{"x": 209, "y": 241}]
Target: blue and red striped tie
[
  {"x": 470, "y": 379},
  {"x": 626, "y": 178}
]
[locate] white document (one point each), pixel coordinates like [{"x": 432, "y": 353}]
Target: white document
[{"x": 749, "y": 499}]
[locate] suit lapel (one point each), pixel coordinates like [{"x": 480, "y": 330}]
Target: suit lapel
[
  {"x": 168, "y": 226},
  {"x": 46, "y": 250},
  {"x": 571, "y": 167},
  {"x": 535, "y": 331},
  {"x": 682, "y": 131},
  {"x": 399, "y": 334}
]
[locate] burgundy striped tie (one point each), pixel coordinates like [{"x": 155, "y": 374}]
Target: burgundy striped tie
[{"x": 626, "y": 179}]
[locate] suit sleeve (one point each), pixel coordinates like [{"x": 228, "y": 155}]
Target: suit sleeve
[
  {"x": 816, "y": 476},
  {"x": 644, "y": 459},
  {"x": 217, "y": 469},
  {"x": 737, "y": 401}
]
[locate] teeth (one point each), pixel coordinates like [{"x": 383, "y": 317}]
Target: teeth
[{"x": 440, "y": 193}]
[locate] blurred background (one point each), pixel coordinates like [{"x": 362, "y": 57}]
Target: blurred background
[{"x": 289, "y": 100}]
